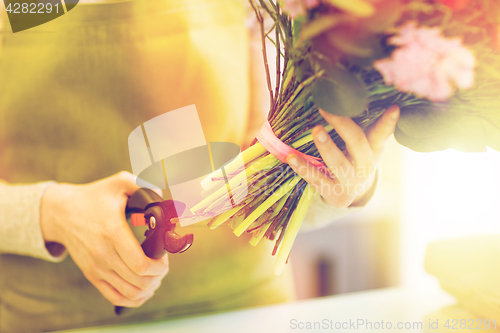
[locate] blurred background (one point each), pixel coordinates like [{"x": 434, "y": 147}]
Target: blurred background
[{"x": 421, "y": 197}]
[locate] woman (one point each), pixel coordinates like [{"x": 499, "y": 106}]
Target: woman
[{"x": 72, "y": 90}]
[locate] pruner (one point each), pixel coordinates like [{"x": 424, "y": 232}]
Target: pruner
[{"x": 146, "y": 207}]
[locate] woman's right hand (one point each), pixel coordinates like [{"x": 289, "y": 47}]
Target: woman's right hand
[{"x": 89, "y": 220}]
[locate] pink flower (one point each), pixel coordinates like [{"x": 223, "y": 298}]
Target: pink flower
[
  {"x": 296, "y": 8},
  {"x": 428, "y": 64}
]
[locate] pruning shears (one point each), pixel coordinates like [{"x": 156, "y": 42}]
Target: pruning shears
[{"x": 146, "y": 207}]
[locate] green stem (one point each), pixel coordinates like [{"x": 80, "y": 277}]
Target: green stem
[
  {"x": 292, "y": 229},
  {"x": 224, "y": 217},
  {"x": 275, "y": 196}
]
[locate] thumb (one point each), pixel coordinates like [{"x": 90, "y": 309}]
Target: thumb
[
  {"x": 382, "y": 130},
  {"x": 126, "y": 181}
]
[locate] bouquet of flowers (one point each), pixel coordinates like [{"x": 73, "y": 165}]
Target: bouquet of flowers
[{"x": 436, "y": 59}]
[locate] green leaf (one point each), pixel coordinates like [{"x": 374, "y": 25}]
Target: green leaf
[
  {"x": 425, "y": 120},
  {"x": 377, "y": 52},
  {"x": 422, "y": 145},
  {"x": 318, "y": 26},
  {"x": 351, "y": 46},
  {"x": 297, "y": 25},
  {"x": 304, "y": 70},
  {"x": 471, "y": 133},
  {"x": 340, "y": 92}
]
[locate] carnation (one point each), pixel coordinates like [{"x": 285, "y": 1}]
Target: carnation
[{"x": 428, "y": 64}]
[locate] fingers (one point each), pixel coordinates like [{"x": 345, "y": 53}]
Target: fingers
[
  {"x": 353, "y": 172},
  {"x": 354, "y": 137},
  {"x": 102, "y": 244},
  {"x": 125, "y": 243},
  {"x": 125, "y": 181},
  {"x": 334, "y": 158},
  {"x": 116, "y": 298},
  {"x": 133, "y": 256},
  {"x": 135, "y": 280},
  {"x": 132, "y": 273},
  {"x": 382, "y": 130},
  {"x": 330, "y": 189},
  {"x": 128, "y": 290}
]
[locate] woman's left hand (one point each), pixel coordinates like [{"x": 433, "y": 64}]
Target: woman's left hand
[{"x": 351, "y": 173}]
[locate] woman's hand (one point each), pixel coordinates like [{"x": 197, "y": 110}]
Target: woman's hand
[
  {"x": 351, "y": 173},
  {"x": 89, "y": 220}
]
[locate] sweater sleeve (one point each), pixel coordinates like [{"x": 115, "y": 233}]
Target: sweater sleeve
[
  {"x": 20, "y": 231},
  {"x": 321, "y": 214}
]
